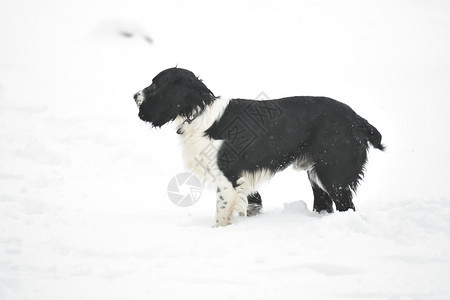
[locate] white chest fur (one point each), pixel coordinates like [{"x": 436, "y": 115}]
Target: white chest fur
[
  {"x": 200, "y": 155},
  {"x": 200, "y": 152}
]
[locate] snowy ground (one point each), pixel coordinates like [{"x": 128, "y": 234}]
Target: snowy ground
[{"x": 84, "y": 211}]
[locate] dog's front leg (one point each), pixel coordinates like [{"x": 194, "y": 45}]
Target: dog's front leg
[{"x": 231, "y": 202}]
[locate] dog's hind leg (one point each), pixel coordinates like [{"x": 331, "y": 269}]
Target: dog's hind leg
[
  {"x": 322, "y": 201},
  {"x": 254, "y": 204},
  {"x": 342, "y": 197},
  {"x": 330, "y": 188},
  {"x": 326, "y": 190}
]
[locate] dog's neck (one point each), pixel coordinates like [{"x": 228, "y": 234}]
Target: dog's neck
[{"x": 198, "y": 124}]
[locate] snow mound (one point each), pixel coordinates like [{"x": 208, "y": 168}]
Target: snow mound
[{"x": 297, "y": 207}]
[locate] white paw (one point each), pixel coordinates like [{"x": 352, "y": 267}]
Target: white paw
[{"x": 220, "y": 222}]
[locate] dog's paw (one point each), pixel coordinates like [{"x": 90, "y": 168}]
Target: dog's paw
[
  {"x": 237, "y": 211},
  {"x": 223, "y": 221}
]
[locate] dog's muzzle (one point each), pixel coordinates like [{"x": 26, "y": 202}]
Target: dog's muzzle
[{"x": 139, "y": 98}]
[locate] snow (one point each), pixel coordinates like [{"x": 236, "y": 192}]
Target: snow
[{"x": 84, "y": 210}]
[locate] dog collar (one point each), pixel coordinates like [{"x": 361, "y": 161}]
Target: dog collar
[{"x": 188, "y": 120}]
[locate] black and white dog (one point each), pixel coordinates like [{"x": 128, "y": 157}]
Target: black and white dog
[{"x": 238, "y": 144}]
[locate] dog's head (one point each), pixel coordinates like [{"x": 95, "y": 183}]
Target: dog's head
[{"x": 173, "y": 92}]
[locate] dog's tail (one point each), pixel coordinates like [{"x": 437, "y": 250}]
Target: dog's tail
[{"x": 372, "y": 135}]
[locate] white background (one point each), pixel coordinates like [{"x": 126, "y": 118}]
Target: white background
[{"x": 84, "y": 211}]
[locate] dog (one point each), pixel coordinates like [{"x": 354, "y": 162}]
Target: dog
[{"x": 238, "y": 144}]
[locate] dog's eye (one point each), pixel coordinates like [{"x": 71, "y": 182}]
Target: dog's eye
[{"x": 152, "y": 87}]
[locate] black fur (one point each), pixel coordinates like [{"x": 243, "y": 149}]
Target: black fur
[
  {"x": 174, "y": 92},
  {"x": 324, "y": 133},
  {"x": 254, "y": 204},
  {"x": 319, "y": 134}
]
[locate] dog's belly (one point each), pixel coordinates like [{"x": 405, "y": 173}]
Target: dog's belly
[
  {"x": 303, "y": 163},
  {"x": 254, "y": 180}
]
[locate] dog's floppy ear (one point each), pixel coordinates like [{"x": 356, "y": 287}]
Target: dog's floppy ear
[{"x": 198, "y": 97}]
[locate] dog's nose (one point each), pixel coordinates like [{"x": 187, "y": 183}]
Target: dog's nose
[{"x": 138, "y": 98}]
